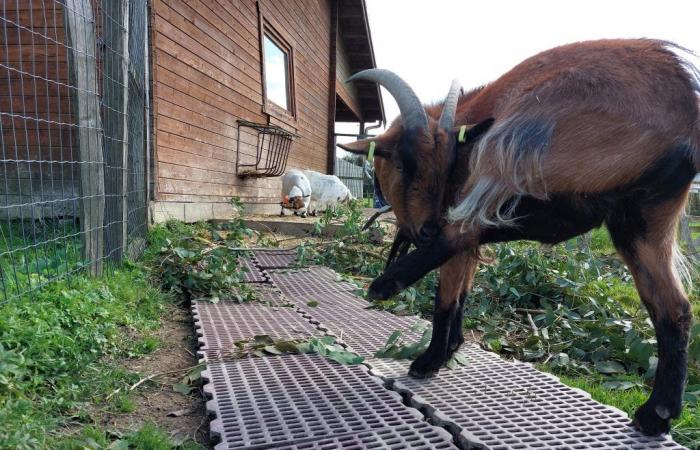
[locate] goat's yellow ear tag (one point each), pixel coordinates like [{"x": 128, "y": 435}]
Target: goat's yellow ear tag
[
  {"x": 462, "y": 132},
  {"x": 370, "y": 152}
]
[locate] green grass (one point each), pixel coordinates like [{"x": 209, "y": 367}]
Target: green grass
[
  {"x": 33, "y": 253},
  {"x": 59, "y": 356},
  {"x": 695, "y": 234},
  {"x": 148, "y": 437}
]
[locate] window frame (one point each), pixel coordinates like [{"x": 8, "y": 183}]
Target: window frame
[{"x": 269, "y": 106}]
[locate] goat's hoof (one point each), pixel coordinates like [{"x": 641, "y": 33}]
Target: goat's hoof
[
  {"x": 425, "y": 366},
  {"x": 453, "y": 347},
  {"x": 649, "y": 419},
  {"x": 382, "y": 289}
]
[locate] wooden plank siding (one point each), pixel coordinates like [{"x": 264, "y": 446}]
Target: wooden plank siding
[
  {"x": 37, "y": 132},
  {"x": 207, "y": 74},
  {"x": 347, "y": 92}
]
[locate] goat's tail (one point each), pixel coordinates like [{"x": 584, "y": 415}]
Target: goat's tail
[
  {"x": 686, "y": 59},
  {"x": 683, "y": 268}
]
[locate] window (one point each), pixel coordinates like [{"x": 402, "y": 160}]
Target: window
[
  {"x": 277, "y": 79},
  {"x": 277, "y": 70}
]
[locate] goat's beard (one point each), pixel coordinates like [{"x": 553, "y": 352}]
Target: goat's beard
[{"x": 399, "y": 248}]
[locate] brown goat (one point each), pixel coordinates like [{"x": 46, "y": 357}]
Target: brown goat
[{"x": 603, "y": 132}]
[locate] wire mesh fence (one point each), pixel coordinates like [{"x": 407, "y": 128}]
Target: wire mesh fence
[{"x": 73, "y": 106}]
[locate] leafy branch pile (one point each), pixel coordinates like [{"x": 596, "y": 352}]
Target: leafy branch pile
[
  {"x": 350, "y": 251},
  {"x": 197, "y": 261},
  {"x": 572, "y": 307},
  {"x": 325, "y": 346},
  {"x": 569, "y": 309}
]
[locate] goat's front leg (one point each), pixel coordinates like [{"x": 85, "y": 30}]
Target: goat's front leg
[
  {"x": 456, "y": 329},
  {"x": 447, "y": 306}
]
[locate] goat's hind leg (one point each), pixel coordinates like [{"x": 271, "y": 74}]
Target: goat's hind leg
[
  {"x": 650, "y": 257},
  {"x": 447, "y": 305}
]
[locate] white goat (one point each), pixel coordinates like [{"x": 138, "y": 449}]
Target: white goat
[
  {"x": 327, "y": 191},
  {"x": 296, "y": 192}
]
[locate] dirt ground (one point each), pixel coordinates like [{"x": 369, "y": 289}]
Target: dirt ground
[{"x": 183, "y": 416}]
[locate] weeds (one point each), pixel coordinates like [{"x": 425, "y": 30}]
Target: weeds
[
  {"x": 196, "y": 261},
  {"x": 148, "y": 437},
  {"x": 66, "y": 333}
]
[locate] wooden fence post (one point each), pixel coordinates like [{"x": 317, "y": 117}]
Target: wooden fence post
[
  {"x": 80, "y": 33},
  {"x": 125, "y": 140},
  {"x": 115, "y": 87}
]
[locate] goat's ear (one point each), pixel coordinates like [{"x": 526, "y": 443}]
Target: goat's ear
[
  {"x": 467, "y": 134},
  {"x": 362, "y": 147}
]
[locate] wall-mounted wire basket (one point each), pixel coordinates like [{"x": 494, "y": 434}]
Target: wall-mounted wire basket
[{"x": 271, "y": 150}]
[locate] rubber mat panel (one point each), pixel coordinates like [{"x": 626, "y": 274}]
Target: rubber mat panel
[
  {"x": 294, "y": 398},
  {"x": 502, "y": 405},
  {"x": 364, "y": 330},
  {"x": 268, "y": 294},
  {"x": 220, "y": 325},
  {"x": 275, "y": 259},
  {"x": 327, "y": 300},
  {"x": 252, "y": 273},
  {"x": 419, "y": 437},
  {"x": 314, "y": 280}
]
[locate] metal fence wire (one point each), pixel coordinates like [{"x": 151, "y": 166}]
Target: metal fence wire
[{"x": 73, "y": 140}]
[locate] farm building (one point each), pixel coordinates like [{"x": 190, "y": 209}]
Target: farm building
[
  {"x": 239, "y": 91},
  {"x": 238, "y": 84}
]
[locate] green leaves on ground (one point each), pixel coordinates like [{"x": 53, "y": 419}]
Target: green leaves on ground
[
  {"x": 397, "y": 348},
  {"x": 187, "y": 384},
  {"x": 325, "y": 346}
]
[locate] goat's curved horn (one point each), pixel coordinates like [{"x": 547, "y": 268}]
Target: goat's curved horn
[
  {"x": 412, "y": 111},
  {"x": 449, "y": 109}
]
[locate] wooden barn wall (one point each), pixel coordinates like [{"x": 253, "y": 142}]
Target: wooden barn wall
[
  {"x": 207, "y": 74},
  {"x": 38, "y": 142},
  {"x": 347, "y": 92}
]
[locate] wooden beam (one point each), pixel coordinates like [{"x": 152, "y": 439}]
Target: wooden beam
[
  {"x": 332, "y": 75},
  {"x": 80, "y": 26}
]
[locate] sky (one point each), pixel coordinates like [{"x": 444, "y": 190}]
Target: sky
[{"x": 429, "y": 43}]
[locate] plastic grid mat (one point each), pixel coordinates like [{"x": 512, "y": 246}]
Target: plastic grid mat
[
  {"x": 275, "y": 259},
  {"x": 268, "y": 294},
  {"x": 252, "y": 274},
  {"x": 363, "y": 330},
  {"x": 507, "y": 405},
  {"x": 416, "y": 437},
  {"x": 311, "y": 281},
  {"x": 295, "y": 399},
  {"x": 339, "y": 311},
  {"x": 220, "y": 325},
  {"x": 327, "y": 300}
]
